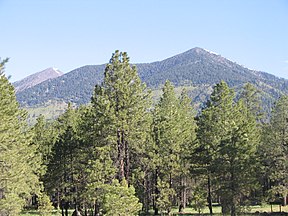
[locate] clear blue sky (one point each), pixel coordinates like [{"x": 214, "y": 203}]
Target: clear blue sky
[{"x": 36, "y": 34}]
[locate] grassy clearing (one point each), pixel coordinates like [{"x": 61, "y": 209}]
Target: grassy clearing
[
  {"x": 50, "y": 111},
  {"x": 252, "y": 210},
  {"x": 188, "y": 211}
]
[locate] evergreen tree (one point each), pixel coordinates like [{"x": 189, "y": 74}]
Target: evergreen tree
[
  {"x": 17, "y": 179},
  {"x": 120, "y": 107},
  {"x": 166, "y": 131},
  {"x": 61, "y": 176},
  {"x": 114, "y": 132},
  {"x": 274, "y": 151},
  {"x": 45, "y": 206},
  {"x": 173, "y": 134},
  {"x": 187, "y": 146},
  {"x": 44, "y": 137},
  {"x": 251, "y": 98},
  {"x": 228, "y": 137},
  {"x": 210, "y": 132},
  {"x": 120, "y": 200}
]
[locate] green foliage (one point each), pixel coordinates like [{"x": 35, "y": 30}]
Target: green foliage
[
  {"x": 45, "y": 206},
  {"x": 120, "y": 200},
  {"x": 17, "y": 164},
  {"x": 273, "y": 150},
  {"x": 173, "y": 133},
  {"x": 120, "y": 107},
  {"x": 165, "y": 197},
  {"x": 61, "y": 176},
  {"x": 198, "y": 201},
  {"x": 44, "y": 137},
  {"x": 100, "y": 171},
  {"x": 228, "y": 137}
]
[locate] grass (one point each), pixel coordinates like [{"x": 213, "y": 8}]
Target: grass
[
  {"x": 252, "y": 210},
  {"x": 189, "y": 211},
  {"x": 50, "y": 111},
  {"x": 35, "y": 212}
]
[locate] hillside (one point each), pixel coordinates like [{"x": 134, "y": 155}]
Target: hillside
[
  {"x": 36, "y": 79},
  {"x": 197, "y": 68}
]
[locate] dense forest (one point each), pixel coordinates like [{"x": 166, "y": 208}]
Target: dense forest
[{"x": 124, "y": 155}]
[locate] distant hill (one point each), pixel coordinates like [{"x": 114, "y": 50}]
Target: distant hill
[
  {"x": 197, "y": 69},
  {"x": 36, "y": 79}
]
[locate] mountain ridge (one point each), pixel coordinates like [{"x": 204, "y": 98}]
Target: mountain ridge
[
  {"x": 195, "y": 67},
  {"x": 37, "y": 78}
]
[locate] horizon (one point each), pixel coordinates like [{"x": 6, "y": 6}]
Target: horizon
[{"x": 71, "y": 34}]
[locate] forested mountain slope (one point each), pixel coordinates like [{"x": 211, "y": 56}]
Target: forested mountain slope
[{"x": 196, "y": 67}]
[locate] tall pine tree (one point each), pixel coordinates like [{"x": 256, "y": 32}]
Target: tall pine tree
[
  {"x": 121, "y": 105},
  {"x": 274, "y": 151},
  {"x": 228, "y": 140},
  {"x": 17, "y": 176}
]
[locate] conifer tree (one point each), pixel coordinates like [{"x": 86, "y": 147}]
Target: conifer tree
[
  {"x": 251, "y": 98},
  {"x": 187, "y": 146},
  {"x": 228, "y": 137},
  {"x": 61, "y": 176},
  {"x": 166, "y": 130},
  {"x": 120, "y": 200},
  {"x": 17, "y": 176},
  {"x": 173, "y": 134},
  {"x": 44, "y": 137},
  {"x": 274, "y": 151},
  {"x": 210, "y": 131},
  {"x": 120, "y": 105}
]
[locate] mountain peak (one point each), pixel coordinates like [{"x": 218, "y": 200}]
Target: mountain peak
[
  {"x": 197, "y": 69},
  {"x": 202, "y": 51},
  {"x": 37, "y": 78}
]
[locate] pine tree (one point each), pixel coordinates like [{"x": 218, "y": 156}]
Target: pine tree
[
  {"x": 45, "y": 206},
  {"x": 210, "y": 131},
  {"x": 120, "y": 105},
  {"x": 166, "y": 132},
  {"x": 120, "y": 200},
  {"x": 228, "y": 137},
  {"x": 44, "y": 137},
  {"x": 173, "y": 134},
  {"x": 61, "y": 176},
  {"x": 115, "y": 131},
  {"x": 17, "y": 179},
  {"x": 274, "y": 150},
  {"x": 251, "y": 98},
  {"x": 187, "y": 146}
]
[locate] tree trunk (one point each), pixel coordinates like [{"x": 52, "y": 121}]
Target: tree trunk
[
  {"x": 58, "y": 199},
  {"x": 209, "y": 198},
  {"x": 66, "y": 209},
  {"x": 146, "y": 195},
  {"x": 127, "y": 157},
  {"x": 234, "y": 198},
  {"x": 285, "y": 200},
  {"x": 121, "y": 172},
  {"x": 157, "y": 192},
  {"x": 96, "y": 208},
  {"x": 183, "y": 193}
]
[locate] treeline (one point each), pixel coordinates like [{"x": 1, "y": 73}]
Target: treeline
[{"x": 124, "y": 155}]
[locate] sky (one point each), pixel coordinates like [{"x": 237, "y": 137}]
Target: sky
[{"x": 67, "y": 34}]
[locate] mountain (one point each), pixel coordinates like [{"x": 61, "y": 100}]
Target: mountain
[
  {"x": 36, "y": 79},
  {"x": 197, "y": 69}
]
